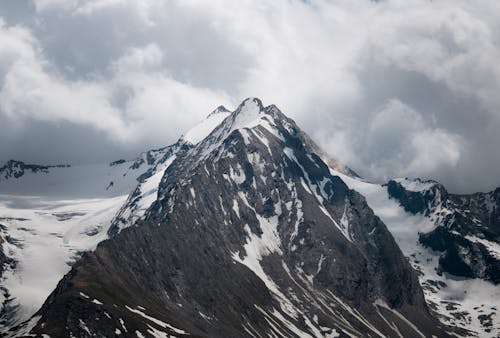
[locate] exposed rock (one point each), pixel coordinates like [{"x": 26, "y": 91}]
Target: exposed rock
[{"x": 467, "y": 227}]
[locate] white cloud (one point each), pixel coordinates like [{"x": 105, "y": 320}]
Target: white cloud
[
  {"x": 450, "y": 42},
  {"x": 153, "y": 109},
  {"x": 159, "y": 106},
  {"x": 16, "y": 43},
  {"x": 397, "y": 141},
  {"x": 435, "y": 149},
  {"x": 136, "y": 58},
  {"x": 30, "y": 92},
  {"x": 43, "y": 5}
]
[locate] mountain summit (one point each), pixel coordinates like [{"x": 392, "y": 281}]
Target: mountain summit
[{"x": 245, "y": 228}]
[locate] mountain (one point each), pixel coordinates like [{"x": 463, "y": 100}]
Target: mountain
[
  {"x": 250, "y": 234},
  {"x": 245, "y": 228}
]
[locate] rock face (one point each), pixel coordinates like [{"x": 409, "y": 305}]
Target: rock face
[
  {"x": 467, "y": 227},
  {"x": 16, "y": 169},
  {"x": 146, "y": 191},
  {"x": 250, "y": 236}
]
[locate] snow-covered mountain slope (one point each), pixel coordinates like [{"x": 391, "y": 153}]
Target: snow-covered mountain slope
[
  {"x": 470, "y": 304},
  {"x": 459, "y": 251},
  {"x": 205, "y": 127},
  {"x": 42, "y": 237},
  {"x": 250, "y": 236},
  {"x": 467, "y": 230},
  {"x": 145, "y": 193},
  {"x": 50, "y": 215}
]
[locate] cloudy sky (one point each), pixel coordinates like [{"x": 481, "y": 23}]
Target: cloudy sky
[{"x": 391, "y": 88}]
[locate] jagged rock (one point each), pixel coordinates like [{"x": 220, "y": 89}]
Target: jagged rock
[
  {"x": 467, "y": 227},
  {"x": 16, "y": 169}
]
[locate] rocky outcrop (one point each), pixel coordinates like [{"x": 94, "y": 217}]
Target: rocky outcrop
[
  {"x": 16, "y": 169},
  {"x": 467, "y": 227}
]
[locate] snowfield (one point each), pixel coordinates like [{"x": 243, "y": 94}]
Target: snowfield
[{"x": 44, "y": 237}]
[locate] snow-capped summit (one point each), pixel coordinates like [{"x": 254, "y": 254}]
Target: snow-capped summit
[
  {"x": 248, "y": 114},
  {"x": 219, "y": 110},
  {"x": 205, "y": 127}
]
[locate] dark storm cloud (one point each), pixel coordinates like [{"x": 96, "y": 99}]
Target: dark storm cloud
[{"x": 392, "y": 88}]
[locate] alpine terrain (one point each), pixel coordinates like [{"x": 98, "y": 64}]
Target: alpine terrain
[{"x": 242, "y": 228}]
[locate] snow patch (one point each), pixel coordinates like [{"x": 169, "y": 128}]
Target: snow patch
[
  {"x": 492, "y": 247},
  {"x": 204, "y": 128},
  {"x": 384, "y": 305},
  {"x": 236, "y": 209},
  {"x": 157, "y": 321},
  {"x": 416, "y": 185}
]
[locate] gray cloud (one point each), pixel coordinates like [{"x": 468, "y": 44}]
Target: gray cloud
[{"x": 391, "y": 88}]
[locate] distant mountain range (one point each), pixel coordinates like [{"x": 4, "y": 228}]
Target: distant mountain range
[{"x": 242, "y": 228}]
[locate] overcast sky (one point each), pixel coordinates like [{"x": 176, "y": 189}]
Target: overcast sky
[{"x": 391, "y": 88}]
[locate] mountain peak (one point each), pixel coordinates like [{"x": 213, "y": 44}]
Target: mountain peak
[
  {"x": 247, "y": 114},
  {"x": 220, "y": 109},
  {"x": 250, "y": 102},
  {"x": 199, "y": 132}
]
